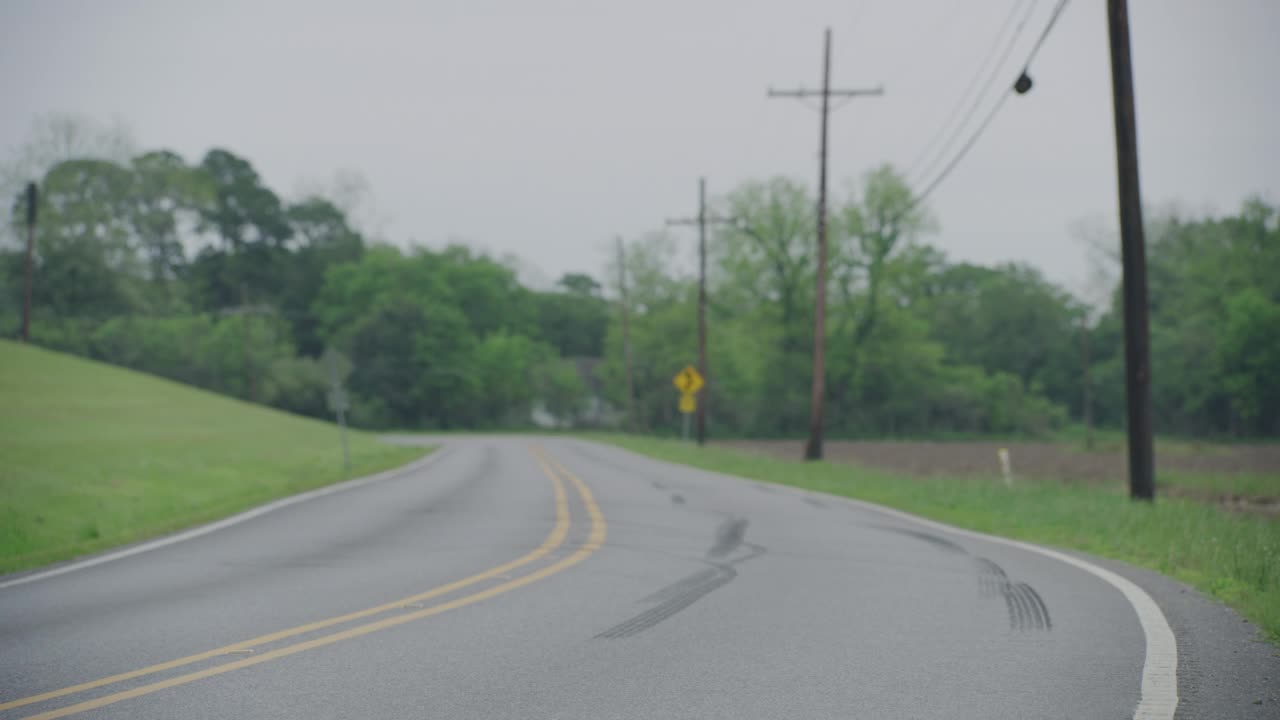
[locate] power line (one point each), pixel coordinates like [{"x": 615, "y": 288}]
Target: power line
[
  {"x": 986, "y": 122},
  {"x": 1062, "y": 4},
  {"x": 964, "y": 150},
  {"x": 973, "y": 83},
  {"x": 982, "y": 94}
]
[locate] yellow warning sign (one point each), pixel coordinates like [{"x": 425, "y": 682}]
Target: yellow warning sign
[
  {"x": 688, "y": 381},
  {"x": 688, "y": 403}
]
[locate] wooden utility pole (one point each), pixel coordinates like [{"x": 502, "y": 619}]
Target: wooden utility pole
[
  {"x": 813, "y": 449},
  {"x": 32, "y": 197},
  {"x": 1137, "y": 351},
  {"x": 701, "y": 221},
  {"x": 626, "y": 335}
]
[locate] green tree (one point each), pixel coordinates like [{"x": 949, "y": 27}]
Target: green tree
[
  {"x": 869, "y": 231},
  {"x": 250, "y": 220},
  {"x": 86, "y": 262},
  {"x": 1010, "y": 319},
  {"x": 507, "y": 370},
  {"x": 1249, "y": 356},
  {"x": 324, "y": 239},
  {"x": 573, "y": 320},
  {"x": 165, "y": 193},
  {"x": 562, "y": 391}
]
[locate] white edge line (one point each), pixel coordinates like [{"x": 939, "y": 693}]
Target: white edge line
[
  {"x": 1160, "y": 666},
  {"x": 1159, "y": 692},
  {"x": 225, "y": 522}
]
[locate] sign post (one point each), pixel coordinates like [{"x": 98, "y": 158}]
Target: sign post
[{"x": 339, "y": 403}]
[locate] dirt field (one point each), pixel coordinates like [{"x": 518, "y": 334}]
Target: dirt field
[{"x": 1043, "y": 460}]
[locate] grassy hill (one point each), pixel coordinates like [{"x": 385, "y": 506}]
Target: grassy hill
[{"x": 93, "y": 456}]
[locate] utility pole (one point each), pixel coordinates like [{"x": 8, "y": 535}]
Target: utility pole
[
  {"x": 626, "y": 335},
  {"x": 1137, "y": 351},
  {"x": 813, "y": 449},
  {"x": 32, "y": 197},
  {"x": 701, "y": 221}
]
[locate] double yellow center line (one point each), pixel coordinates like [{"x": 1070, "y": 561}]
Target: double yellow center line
[{"x": 553, "y": 470}]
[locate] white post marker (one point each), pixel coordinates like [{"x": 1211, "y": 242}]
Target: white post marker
[{"x": 1006, "y": 468}]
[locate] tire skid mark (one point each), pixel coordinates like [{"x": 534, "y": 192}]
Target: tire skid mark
[
  {"x": 692, "y": 593},
  {"x": 686, "y": 591},
  {"x": 1018, "y": 610},
  {"x": 991, "y": 578},
  {"x": 1037, "y": 602},
  {"x": 815, "y": 502},
  {"x": 935, "y": 540},
  {"x": 1027, "y": 610},
  {"x": 680, "y": 586},
  {"x": 728, "y": 537}
]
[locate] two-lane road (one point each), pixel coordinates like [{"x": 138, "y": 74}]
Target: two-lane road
[{"x": 522, "y": 578}]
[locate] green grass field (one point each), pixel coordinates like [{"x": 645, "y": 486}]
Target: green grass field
[
  {"x": 93, "y": 456},
  {"x": 1233, "y": 557},
  {"x": 1257, "y": 485}
]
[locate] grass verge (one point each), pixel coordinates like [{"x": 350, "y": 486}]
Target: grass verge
[
  {"x": 1235, "y": 558},
  {"x": 1261, "y": 485},
  {"x": 93, "y": 456}
]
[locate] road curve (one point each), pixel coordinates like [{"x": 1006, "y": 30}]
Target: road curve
[{"x": 529, "y": 577}]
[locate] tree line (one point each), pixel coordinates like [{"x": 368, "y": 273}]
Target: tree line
[
  {"x": 921, "y": 345},
  {"x": 202, "y": 273}
]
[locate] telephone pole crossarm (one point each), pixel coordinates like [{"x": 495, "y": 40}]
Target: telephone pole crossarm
[{"x": 803, "y": 93}]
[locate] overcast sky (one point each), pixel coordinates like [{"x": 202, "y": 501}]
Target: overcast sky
[{"x": 544, "y": 128}]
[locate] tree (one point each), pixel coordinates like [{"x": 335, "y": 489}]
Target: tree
[
  {"x": 1249, "y": 356},
  {"x": 167, "y": 196},
  {"x": 510, "y": 371},
  {"x": 1197, "y": 270},
  {"x": 579, "y": 284},
  {"x": 1009, "y": 319},
  {"x": 765, "y": 259},
  {"x": 85, "y": 256},
  {"x": 762, "y": 273},
  {"x": 55, "y": 138},
  {"x": 868, "y": 230},
  {"x": 251, "y": 222},
  {"x": 573, "y": 321},
  {"x": 562, "y": 390},
  {"x": 325, "y": 239}
]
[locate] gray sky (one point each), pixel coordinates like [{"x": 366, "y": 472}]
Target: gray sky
[{"x": 544, "y": 128}]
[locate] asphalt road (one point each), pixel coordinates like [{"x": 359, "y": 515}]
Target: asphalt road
[{"x": 547, "y": 578}]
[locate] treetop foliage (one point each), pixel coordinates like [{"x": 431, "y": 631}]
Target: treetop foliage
[{"x": 203, "y": 273}]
